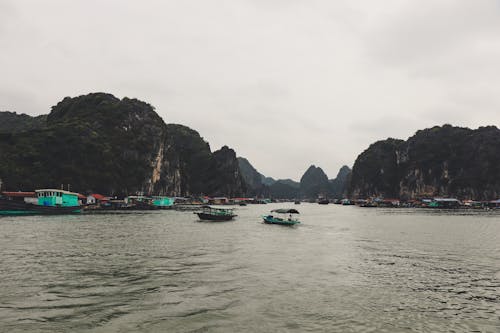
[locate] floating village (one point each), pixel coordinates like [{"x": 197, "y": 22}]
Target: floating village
[{"x": 58, "y": 201}]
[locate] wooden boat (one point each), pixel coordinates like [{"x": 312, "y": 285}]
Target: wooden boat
[
  {"x": 281, "y": 218},
  {"x": 209, "y": 213},
  {"x": 48, "y": 202}
]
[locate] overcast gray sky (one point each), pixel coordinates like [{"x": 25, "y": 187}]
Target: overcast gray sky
[{"x": 286, "y": 83}]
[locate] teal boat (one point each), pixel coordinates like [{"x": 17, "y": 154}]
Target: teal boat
[
  {"x": 48, "y": 202},
  {"x": 282, "y": 217}
]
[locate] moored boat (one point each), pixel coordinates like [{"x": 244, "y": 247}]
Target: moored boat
[
  {"x": 282, "y": 217},
  {"x": 40, "y": 202},
  {"x": 215, "y": 214}
]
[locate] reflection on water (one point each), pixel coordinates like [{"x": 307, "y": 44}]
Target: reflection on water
[{"x": 345, "y": 269}]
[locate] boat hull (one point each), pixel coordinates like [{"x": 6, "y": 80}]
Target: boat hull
[
  {"x": 215, "y": 218},
  {"x": 11, "y": 207}
]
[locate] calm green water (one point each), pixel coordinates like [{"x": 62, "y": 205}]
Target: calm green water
[{"x": 345, "y": 269}]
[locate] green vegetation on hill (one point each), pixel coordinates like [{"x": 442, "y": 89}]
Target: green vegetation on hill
[
  {"x": 439, "y": 161},
  {"x": 100, "y": 143},
  {"x": 11, "y": 122}
]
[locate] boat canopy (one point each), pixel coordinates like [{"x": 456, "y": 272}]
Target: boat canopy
[
  {"x": 285, "y": 211},
  {"x": 215, "y": 208}
]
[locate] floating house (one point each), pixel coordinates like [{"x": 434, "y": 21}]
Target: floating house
[
  {"x": 134, "y": 199},
  {"x": 53, "y": 198},
  {"x": 242, "y": 200},
  {"x": 161, "y": 201},
  {"x": 27, "y": 197},
  {"x": 94, "y": 198},
  {"x": 444, "y": 203},
  {"x": 494, "y": 203},
  {"x": 218, "y": 201},
  {"x": 387, "y": 202},
  {"x": 40, "y": 202}
]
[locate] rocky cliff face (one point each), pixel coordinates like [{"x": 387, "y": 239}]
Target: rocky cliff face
[
  {"x": 98, "y": 142},
  {"x": 228, "y": 179},
  {"x": 375, "y": 171},
  {"x": 439, "y": 161}
]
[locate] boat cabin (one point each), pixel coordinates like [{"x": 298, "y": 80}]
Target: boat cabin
[
  {"x": 209, "y": 213},
  {"x": 52, "y": 197},
  {"x": 217, "y": 211}
]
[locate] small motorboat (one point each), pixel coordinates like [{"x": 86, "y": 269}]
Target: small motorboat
[
  {"x": 215, "y": 214},
  {"x": 297, "y": 202},
  {"x": 282, "y": 217}
]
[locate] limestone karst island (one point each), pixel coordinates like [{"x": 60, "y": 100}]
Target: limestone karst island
[{"x": 120, "y": 154}]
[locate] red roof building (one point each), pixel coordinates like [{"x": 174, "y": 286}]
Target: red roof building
[
  {"x": 100, "y": 197},
  {"x": 20, "y": 194}
]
